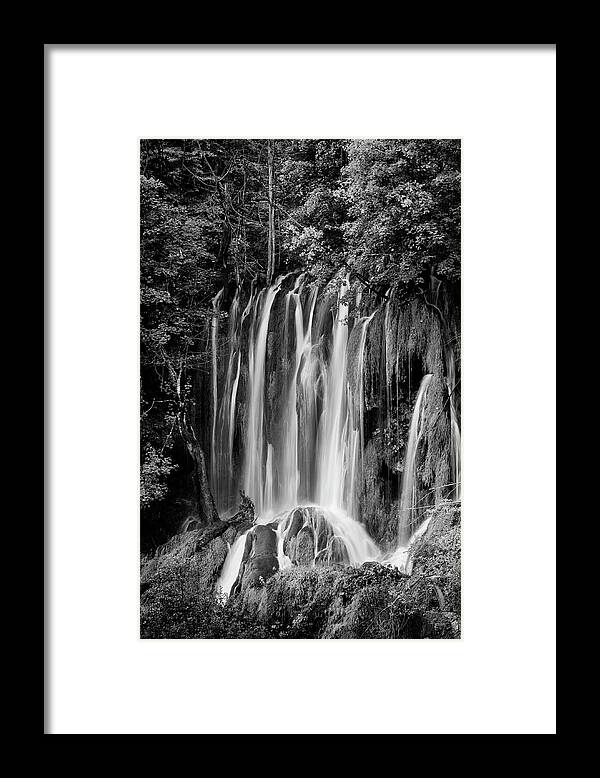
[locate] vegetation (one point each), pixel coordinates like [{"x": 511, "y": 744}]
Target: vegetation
[{"x": 180, "y": 598}]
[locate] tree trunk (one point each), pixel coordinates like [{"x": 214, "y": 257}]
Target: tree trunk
[
  {"x": 207, "y": 511},
  {"x": 271, "y": 235},
  {"x": 206, "y": 504}
]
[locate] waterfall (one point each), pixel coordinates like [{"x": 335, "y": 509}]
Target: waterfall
[
  {"x": 267, "y": 499},
  {"x": 231, "y": 566},
  {"x": 255, "y": 467},
  {"x": 356, "y": 428},
  {"x": 276, "y": 469},
  {"x": 409, "y": 496},
  {"x": 454, "y": 426},
  {"x": 301, "y": 428},
  {"x": 290, "y": 474},
  {"x": 331, "y": 459},
  {"x": 307, "y": 390}
]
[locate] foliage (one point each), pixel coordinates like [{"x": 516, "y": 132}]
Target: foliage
[
  {"x": 403, "y": 201},
  {"x": 176, "y": 606},
  {"x": 154, "y": 472},
  {"x": 179, "y": 597},
  {"x": 393, "y": 440}
]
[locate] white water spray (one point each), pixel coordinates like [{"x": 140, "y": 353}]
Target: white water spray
[{"x": 254, "y": 483}]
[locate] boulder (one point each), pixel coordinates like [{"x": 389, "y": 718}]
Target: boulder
[
  {"x": 304, "y": 551},
  {"x": 337, "y": 552},
  {"x": 261, "y": 562},
  {"x": 294, "y": 528}
]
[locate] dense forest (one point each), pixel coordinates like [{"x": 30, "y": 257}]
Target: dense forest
[{"x": 300, "y": 388}]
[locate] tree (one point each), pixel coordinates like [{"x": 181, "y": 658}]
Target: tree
[
  {"x": 271, "y": 236},
  {"x": 175, "y": 252},
  {"x": 403, "y": 201}
]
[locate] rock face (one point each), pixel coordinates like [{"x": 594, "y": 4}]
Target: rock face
[{"x": 259, "y": 561}]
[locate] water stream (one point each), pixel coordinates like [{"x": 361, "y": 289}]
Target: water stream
[{"x": 303, "y": 438}]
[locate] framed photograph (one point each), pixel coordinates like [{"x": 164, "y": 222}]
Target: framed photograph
[
  {"x": 294, "y": 295},
  {"x": 300, "y": 388}
]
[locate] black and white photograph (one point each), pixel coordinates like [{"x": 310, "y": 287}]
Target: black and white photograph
[
  {"x": 300, "y": 398},
  {"x": 300, "y": 388}
]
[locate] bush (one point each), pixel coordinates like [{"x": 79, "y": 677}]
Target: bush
[{"x": 177, "y": 605}]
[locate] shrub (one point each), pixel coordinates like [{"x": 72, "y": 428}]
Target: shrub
[{"x": 177, "y": 605}]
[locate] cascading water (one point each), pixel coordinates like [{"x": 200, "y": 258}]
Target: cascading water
[
  {"x": 409, "y": 496},
  {"x": 355, "y": 422},
  {"x": 334, "y": 536},
  {"x": 307, "y": 404},
  {"x": 302, "y": 425},
  {"x": 231, "y": 566},
  {"x": 290, "y": 474},
  {"x": 223, "y": 480},
  {"x": 307, "y": 535},
  {"x": 332, "y": 438},
  {"x": 454, "y": 426},
  {"x": 254, "y": 481}
]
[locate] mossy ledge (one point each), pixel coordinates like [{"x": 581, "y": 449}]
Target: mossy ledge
[{"x": 180, "y": 598}]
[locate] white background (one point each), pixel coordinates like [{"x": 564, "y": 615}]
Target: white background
[{"x": 499, "y": 678}]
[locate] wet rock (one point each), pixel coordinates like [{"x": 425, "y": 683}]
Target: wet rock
[
  {"x": 248, "y": 546},
  {"x": 231, "y": 534},
  {"x": 289, "y": 543},
  {"x": 261, "y": 562},
  {"x": 265, "y": 541},
  {"x": 296, "y": 523},
  {"x": 321, "y": 557},
  {"x": 337, "y": 552},
  {"x": 324, "y": 533},
  {"x": 304, "y": 551}
]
